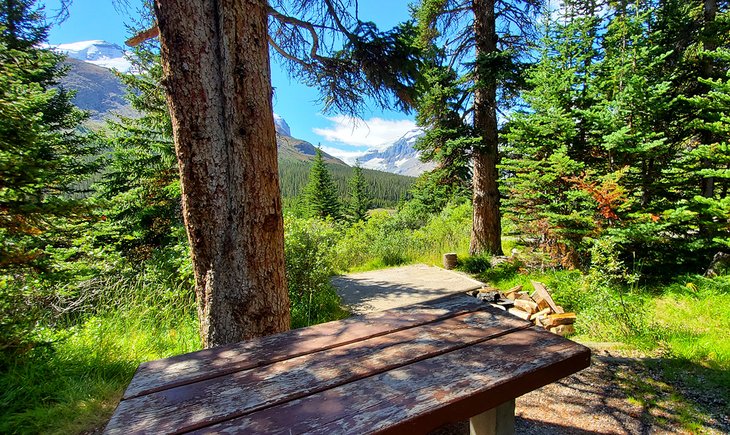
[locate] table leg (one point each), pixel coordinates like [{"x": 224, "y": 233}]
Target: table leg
[{"x": 496, "y": 421}]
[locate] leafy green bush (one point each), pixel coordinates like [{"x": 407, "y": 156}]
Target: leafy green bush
[
  {"x": 309, "y": 252},
  {"x": 475, "y": 265}
]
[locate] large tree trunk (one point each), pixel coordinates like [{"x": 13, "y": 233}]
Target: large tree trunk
[
  {"x": 217, "y": 78},
  {"x": 486, "y": 234}
]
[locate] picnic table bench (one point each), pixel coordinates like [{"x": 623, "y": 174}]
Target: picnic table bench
[{"x": 409, "y": 369}]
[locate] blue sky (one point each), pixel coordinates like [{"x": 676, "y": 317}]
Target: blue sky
[{"x": 99, "y": 19}]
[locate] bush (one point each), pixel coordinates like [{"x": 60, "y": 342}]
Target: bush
[
  {"x": 475, "y": 265},
  {"x": 309, "y": 251}
]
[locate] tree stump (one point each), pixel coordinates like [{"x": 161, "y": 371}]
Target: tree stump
[{"x": 450, "y": 260}]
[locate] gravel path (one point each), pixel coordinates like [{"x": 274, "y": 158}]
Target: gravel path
[{"x": 383, "y": 289}]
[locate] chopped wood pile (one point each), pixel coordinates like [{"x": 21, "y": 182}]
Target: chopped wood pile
[{"x": 538, "y": 307}]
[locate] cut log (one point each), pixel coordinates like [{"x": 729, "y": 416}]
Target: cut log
[
  {"x": 450, "y": 260},
  {"x": 519, "y": 313},
  {"x": 514, "y": 289},
  {"x": 544, "y": 294},
  {"x": 524, "y": 296},
  {"x": 541, "y": 313},
  {"x": 559, "y": 319},
  {"x": 526, "y": 305},
  {"x": 563, "y": 330}
]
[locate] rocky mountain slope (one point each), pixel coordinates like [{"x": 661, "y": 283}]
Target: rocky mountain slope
[
  {"x": 98, "y": 90},
  {"x": 399, "y": 158}
]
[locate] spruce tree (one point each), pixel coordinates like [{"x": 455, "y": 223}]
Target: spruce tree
[
  {"x": 320, "y": 194},
  {"x": 141, "y": 179},
  {"x": 43, "y": 161},
  {"x": 448, "y": 139},
  {"x": 359, "y": 202},
  {"x": 43, "y": 156}
]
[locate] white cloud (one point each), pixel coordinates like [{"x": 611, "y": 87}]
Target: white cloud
[
  {"x": 375, "y": 132},
  {"x": 349, "y": 157}
]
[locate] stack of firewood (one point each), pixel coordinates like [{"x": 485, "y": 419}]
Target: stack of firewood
[{"x": 538, "y": 307}]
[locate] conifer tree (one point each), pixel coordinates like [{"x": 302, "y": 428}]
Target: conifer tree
[
  {"x": 43, "y": 157},
  {"x": 141, "y": 177},
  {"x": 359, "y": 202},
  {"x": 448, "y": 139},
  {"x": 546, "y": 145},
  {"x": 320, "y": 194},
  {"x": 485, "y": 38}
]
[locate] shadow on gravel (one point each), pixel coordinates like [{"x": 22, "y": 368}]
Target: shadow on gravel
[{"x": 623, "y": 395}]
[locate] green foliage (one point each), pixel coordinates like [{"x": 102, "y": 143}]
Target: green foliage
[
  {"x": 447, "y": 141},
  {"x": 141, "y": 182},
  {"x": 386, "y": 239},
  {"x": 309, "y": 252},
  {"x": 43, "y": 159},
  {"x": 598, "y": 165},
  {"x": 475, "y": 264},
  {"x": 359, "y": 200},
  {"x": 320, "y": 194},
  {"x": 386, "y": 190},
  {"x": 72, "y": 383}
]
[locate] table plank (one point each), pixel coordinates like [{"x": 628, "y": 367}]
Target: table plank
[
  {"x": 218, "y": 399},
  {"x": 193, "y": 367},
  {"x": 424, "y": 395}
]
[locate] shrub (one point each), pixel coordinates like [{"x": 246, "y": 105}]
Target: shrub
[{"x": 309, "y": 247}]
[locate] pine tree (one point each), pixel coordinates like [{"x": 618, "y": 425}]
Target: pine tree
[
  {"x": 320, "y": 194},
  {"x": 43, "y": 157},
  {"x": 43, "y": 161},
  {"x": 448, "y": 139},
  {"x": 547, "y": 144},
  {"x": 359, "y": 202},
  {"x": 141, "y": 178},
  {"x": 485, "y": 39}
]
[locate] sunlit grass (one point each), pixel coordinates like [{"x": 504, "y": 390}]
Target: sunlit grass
[{"x": 73, "y": 383}]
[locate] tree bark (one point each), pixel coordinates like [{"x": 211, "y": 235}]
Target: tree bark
[
  {"x": 486, "y": 234},
  {"x": 218, "y": 82}
]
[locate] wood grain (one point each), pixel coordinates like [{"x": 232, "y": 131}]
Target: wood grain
[
  {"x": 218, "y": 399},
  {"x": 210, "y": 363},
  {"x": 422, "y": 396}
]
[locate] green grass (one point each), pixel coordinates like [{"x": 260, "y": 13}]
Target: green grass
[
  {"x": 75, "y": 384},
  {"x": 684, "y": 325},
  {"x": 72, "y": 379}
]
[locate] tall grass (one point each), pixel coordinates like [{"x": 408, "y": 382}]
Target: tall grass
[
  {"x": 685, "y": 322},
  {"x": 387, "y": 240},
  {"x": 73, "y": 381}
]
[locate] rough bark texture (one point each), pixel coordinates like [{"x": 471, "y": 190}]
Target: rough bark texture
[
  {"x": 486, "y": 234},
  {"x": 217, "y": 78}
]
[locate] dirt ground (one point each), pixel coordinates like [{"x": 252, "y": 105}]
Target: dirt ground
[{"x": 383, "y": 289}]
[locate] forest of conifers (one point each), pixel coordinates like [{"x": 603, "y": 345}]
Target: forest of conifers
[{"x": 612, "y": 120}]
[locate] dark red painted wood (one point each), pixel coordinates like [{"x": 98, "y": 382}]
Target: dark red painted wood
[
  {"x": 193, "y": 367},
  {"x": 423, "y": 396},
  {"x": 405, "y": 370},
  {"x": 243, "y": 392}
]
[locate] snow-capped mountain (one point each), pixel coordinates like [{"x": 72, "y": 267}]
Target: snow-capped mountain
[
  {"x": 281, "y": 126},
  {"x": 399, "y": 158},
  {"x": 97, "y": 52}
]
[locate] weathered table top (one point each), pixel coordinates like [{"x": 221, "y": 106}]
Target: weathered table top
[{"x": 407, "y": 369}]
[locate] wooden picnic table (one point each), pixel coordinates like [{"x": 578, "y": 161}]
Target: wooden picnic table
[{"x": 409, "y": 369}]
